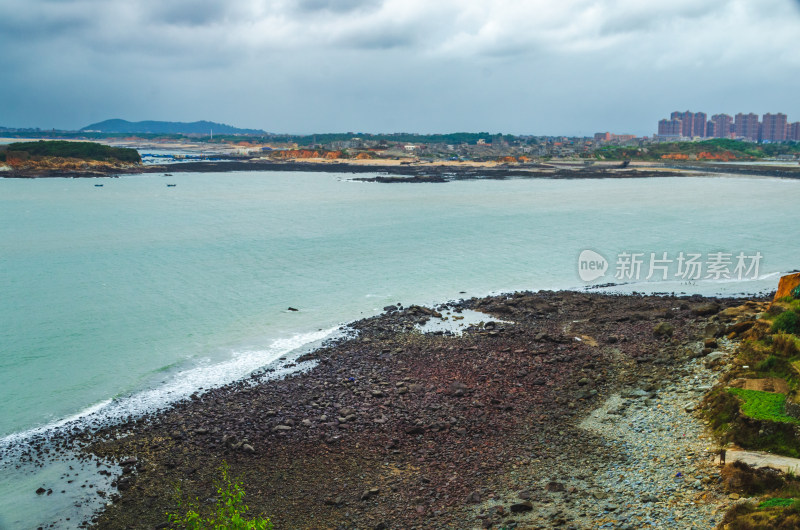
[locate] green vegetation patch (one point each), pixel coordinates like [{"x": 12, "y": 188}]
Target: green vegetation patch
[
  {"x": 757, "y": 420},
  {"x": 771, "y": 356},
  {"x": 767, "y": 364},
  {"x": 738, "y": 149},
  {"x": 229, "y": 509},
  {"x": 776, "y": 502},
  {"x": 779, "y": 509},
  {"x": 80, "y": 150},
  {"x": 748, "y": 517},
  {"x": 787, "y": 322},
  {"x": 763, "y": 405},
  {"x": 782, "y": 304},
  {"x": 721, "y": 409}
]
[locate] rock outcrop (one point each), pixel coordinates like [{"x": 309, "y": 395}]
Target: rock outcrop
[{"x": 786, "y": 285}]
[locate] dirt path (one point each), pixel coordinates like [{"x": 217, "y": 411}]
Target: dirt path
[{"x": 760, "y": 459}]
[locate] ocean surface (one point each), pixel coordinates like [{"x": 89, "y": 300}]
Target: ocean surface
[{"x": 121, "y": 298}]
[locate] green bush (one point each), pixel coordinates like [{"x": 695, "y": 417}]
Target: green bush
[
  {"x": 721, "y": 409},
  {"x": 229, "y": 510},
  {"x": 788, "y": 322},
  {"x": 767, "y": 364}
]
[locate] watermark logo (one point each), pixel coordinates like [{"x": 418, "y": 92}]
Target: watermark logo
[
  {"x": 683, "y": 266},
  {"x": 591, "y": 265}
]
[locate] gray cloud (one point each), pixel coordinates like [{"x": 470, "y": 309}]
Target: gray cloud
[
  {"x": 26, "y": 22},
  {"x": 188, "y": 12},
  {"x": 317, "y": 65},
  {"x": 336, "y": 6},
  {"x": 380, "y": 41},
  {"x": 662, "y": 18}
]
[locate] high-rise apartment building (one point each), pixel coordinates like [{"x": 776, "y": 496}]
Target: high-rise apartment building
[
  {"x": 747, "y": 126},
  {"x": 722, "y": 125},
  {"x": 699, "y": 124},
  {"x": 773, "y": 127},
  {"x": 687, "y": 122},
  {"x": 794, "y": 132},
  {"x": 672, "y": 127},
  {"x": 692, "y": 123}
]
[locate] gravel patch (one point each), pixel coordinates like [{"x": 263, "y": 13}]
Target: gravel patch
[{"x": 647, "y": 463}]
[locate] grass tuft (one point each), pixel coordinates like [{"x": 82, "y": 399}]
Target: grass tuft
[{"x": 229, "y": 510}]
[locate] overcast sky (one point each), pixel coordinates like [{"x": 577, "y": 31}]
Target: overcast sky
[{"x": 572, "y": 67}]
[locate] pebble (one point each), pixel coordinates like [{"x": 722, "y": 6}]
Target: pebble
[{"x": 662, "y": 470}]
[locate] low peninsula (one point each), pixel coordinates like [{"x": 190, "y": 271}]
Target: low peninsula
[
  {"x": 66, "y": 158},
  {"x": 78, "y": 159}
]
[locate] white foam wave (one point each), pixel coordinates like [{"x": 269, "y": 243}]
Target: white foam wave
[
  {"x": 179, "y": 386},
  {"x": 705, "y": 287}
]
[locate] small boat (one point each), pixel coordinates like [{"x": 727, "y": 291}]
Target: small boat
[
  {"x": 98, "y": 185},
  {"x": 171, "y": 185},
  {"x": 167, "y": 174}
]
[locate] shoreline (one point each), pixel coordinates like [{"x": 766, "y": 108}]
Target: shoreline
[
  {"x": 395, "y": 172},
  {"x": 424, "y": 419}
]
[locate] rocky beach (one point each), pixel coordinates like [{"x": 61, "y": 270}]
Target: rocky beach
[{"x": 559, "y": 409}]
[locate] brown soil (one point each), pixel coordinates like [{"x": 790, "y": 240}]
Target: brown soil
[{"x": 765, "y": 385}]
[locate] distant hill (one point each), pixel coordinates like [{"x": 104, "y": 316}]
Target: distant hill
[{"x": 167, "y": 127}]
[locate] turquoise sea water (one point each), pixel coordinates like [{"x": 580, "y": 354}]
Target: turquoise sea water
[{"x": 120, "y": 298}]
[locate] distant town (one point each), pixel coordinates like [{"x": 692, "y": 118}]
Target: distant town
[{"x": 685, "y": 135}]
